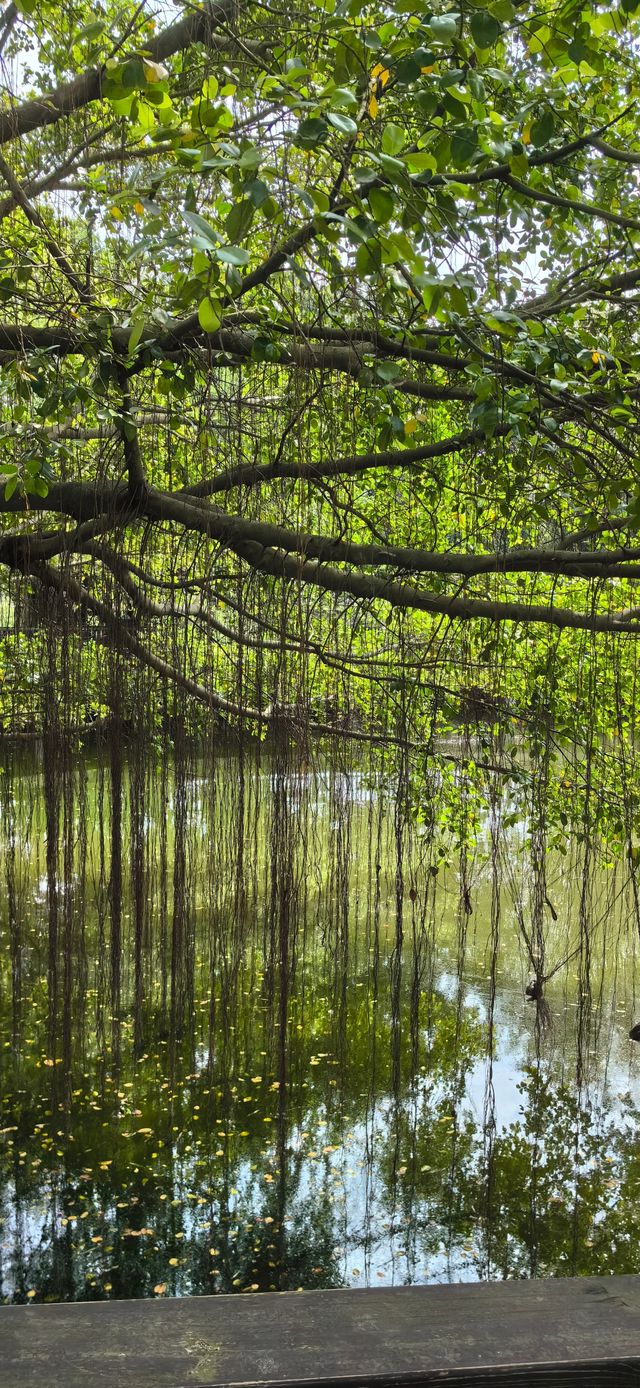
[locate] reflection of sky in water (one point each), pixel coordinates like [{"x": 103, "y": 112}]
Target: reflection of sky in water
[{"x": 383, "y": 1184}]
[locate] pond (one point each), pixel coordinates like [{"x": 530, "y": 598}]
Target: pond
[{"x": 259, "y": 1031}]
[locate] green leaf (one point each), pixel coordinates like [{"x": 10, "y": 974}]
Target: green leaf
[
  {"x": 409, "y": 69},
  {"x": 206, "y": 114},
  {"x": 345, "y": 124},
  {"x": 420, "y": 161},
  {"x": 343, "y": 96},
  {"x": 131, "y": 75},
  {"x": 394, "y": 168},
  {"x": 368, "y": 258},
  {"x": 485, "y": 29},
  {"x": 135, "y": 333},
  {"x": 93, "y": 30},
  {"x": 250, "y": 158},
  {"x": 464, "y": 144},
  {"x": 388, "y": 371},
  {"x": 443, "y": 26},
  {"x": 239, "y": 220},
  {"x": 543, "y": 130},
  {"x": 393, "y": 138},
  {"x": 232, "y": 255},
  {"x": 263, "y": 349},
  {"x": 36, "y": 484},
  {"x": 257, "y": 191},
  {"x": 381, "y": 204},
  {"x": 579, "y": 51},
  {"x": 209, "y": 316},
  {"x": 202, "y": 227},
  {"x": 311, "y": 132}
]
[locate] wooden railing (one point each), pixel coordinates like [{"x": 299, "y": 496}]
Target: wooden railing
[{"x": 583, "y": 1331}]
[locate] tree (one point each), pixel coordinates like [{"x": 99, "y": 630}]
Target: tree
[{"x": 340, "y": 298}]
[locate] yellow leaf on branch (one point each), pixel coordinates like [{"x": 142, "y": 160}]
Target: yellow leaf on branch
[{"x": 154, "y": 72}]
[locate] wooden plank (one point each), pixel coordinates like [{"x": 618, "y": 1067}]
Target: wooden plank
[{"x": 582, "y": 1331}]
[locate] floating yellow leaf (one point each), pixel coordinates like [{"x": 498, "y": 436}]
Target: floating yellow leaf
[
  {"x": 160, "y": 1288},
  {"x": 173, "y": 1262}
]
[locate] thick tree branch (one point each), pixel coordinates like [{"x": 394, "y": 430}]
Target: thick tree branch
[
  {"x": 234, "y": 530},
  {"x": 205, "y": 25},
  {"x": 250, "y": 474},
  {"x": 369, "y": 588},
  {"x": 111, "y": 504},
  {"x": 584, "y": 209}
]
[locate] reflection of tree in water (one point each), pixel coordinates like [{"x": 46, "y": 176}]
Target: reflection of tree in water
[
  {"x": 185, "y": 1198},
  {"x": 262, "y": 1065},
  {"x": 232, "y": 1208},
  {"x": 563, "y": 1193}
]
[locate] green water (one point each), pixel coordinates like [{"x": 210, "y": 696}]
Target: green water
[{"x": 375, "y": 1113}]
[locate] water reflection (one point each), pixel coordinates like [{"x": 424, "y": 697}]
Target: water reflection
[{"x": 253, "y": 1079}]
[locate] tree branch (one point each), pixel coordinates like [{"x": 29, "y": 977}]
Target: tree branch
[{"x": 205, "y": 25}]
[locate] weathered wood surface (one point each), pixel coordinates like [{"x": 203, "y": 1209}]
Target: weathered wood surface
[{"x": 582, "y": 1331}]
